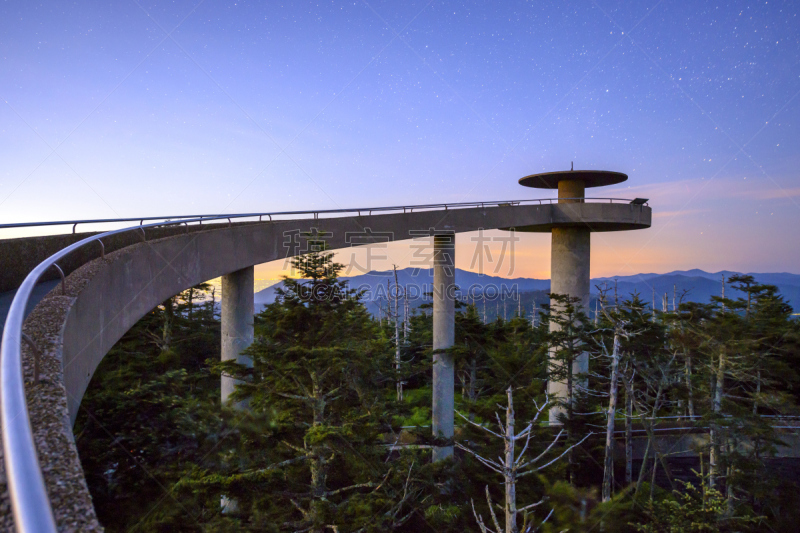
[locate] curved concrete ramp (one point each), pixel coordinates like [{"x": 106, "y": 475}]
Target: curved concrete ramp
[{"x": 106, "y": 297}]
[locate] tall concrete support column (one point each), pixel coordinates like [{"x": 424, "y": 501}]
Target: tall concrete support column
[
  {"x": 444, "y": 315},
  {"x": 237, "y": 321},
  {"x": 569, "y": 274}
]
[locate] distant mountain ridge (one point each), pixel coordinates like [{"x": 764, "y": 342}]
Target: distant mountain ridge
[
  {"x": 772, "y": 278},
  {"x": 701, "y": 285}
]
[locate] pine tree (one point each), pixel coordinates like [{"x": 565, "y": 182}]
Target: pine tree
[
  {"x": 148, "y": 416},
  {"x": 321, "y": 371},
  {"x": 568, "y": 341}
]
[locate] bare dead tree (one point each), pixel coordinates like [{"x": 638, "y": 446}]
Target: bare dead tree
[
  {"x": 608, "y": 464},
  {"x": 674, "y": 294},
  {"x": 628, "y": 429},
  {"x": 163, "y": 339},
  {"x": 513, "y": 466},
  {"x": 190, "y": 302},
  {"x": 397, "y": 336},
  {"x": 656, "y": 381},
  {"x": 405, "y": 314},
  {"x": 716, "y": 408},
  {"x": 723, "y": 291},
  {"x": 687, "y": 358},
  {"x": 399, "y": 513},
  {"x": 620, "y": 326},
  {"x": 654, "y": 304}
]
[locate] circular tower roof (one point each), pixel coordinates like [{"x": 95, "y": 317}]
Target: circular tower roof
[{"x": 590, "y": 178}]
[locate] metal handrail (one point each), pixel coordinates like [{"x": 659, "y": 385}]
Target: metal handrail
[
  {"x": 29, "y": 501},
  {"x": 203, "y": 218}
]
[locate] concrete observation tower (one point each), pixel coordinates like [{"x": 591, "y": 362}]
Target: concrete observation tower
[{"x": 571, "y": 241}]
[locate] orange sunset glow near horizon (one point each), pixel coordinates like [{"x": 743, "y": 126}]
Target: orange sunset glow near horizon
[{"x": 266, "y": 108}]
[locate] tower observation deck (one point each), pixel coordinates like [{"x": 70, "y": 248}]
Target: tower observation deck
[{"x": 571, "y": 243}]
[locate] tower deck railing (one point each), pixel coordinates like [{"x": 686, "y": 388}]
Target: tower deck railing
[
  {"x": 181, "y": 219},
  {"x": 29, "y": 500}
]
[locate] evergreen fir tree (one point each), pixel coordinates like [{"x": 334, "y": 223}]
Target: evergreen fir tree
[{"x": 321, "y": 373}]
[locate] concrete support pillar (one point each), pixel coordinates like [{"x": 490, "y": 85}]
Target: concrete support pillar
[
  {"x": 569, "y": 274},
  {"x": 444, "y": 315},
  {"x": 237, "y": 321}
]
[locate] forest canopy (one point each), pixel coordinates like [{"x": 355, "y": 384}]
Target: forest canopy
[{"x": 329, "y": 429}]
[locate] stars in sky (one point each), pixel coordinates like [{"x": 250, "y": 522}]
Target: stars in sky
[{"x": 144, "y": 108}]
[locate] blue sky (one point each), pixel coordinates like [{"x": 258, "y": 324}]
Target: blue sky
[{"x": 136, "y": 108}]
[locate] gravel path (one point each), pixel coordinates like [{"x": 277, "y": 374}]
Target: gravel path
[{"x": 47, "y": 404}]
